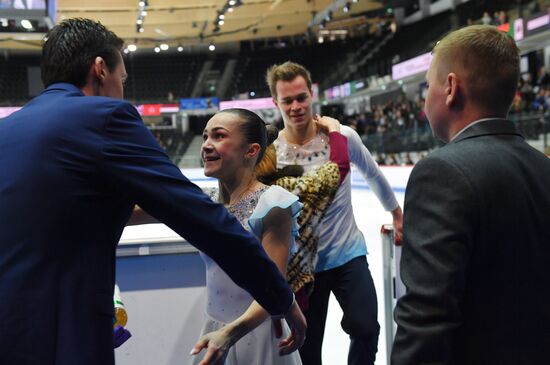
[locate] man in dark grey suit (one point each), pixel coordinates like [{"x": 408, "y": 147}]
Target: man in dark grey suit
[{"x": 476, "y": 237}]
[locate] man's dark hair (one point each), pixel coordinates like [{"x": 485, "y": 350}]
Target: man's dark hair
[{"x": 71, "y": 47}]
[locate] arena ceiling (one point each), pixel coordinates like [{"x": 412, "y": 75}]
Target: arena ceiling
[{"x": 192, "y": 22}]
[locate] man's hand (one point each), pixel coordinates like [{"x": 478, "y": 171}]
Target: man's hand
[
  {"x": 327, "y": 124},
  {"x": 297, "y": 324},
  {"x": 217, "y": 344},
  {"x": 397, "y": 215}
]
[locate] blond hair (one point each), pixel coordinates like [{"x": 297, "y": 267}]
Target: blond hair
[
  {"x": 487, "y": 58},
  {"x": 287, "y": 71},
  {"x": 268, "y": 164}
]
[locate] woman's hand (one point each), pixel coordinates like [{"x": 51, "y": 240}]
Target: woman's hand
[
  {"x": 217, "y": 344},
  {"x": 327, "y": 124}
]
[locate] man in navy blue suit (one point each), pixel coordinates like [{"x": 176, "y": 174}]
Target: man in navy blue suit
[{"x": 74, "y": 162}]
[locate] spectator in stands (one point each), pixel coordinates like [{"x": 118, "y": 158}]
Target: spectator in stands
[
  {"x": 526, "y": 89},
  {"x": 496, "y": 19},
  {"x": 75, "y": 161},
  {"x": 517, "y": 102},
  {"x": 540, "y": 103},
  {"x": 543, "y": 78},
  {"x": 342, "y": 267},
  {"x": 408, "y": 160},
  {"x": 502, "y": 17},
  {"x": 486, "y": 18},
  {"x": 476, "y": 240}
]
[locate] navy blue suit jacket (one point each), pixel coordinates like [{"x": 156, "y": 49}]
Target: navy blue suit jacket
[{"x": 73, "y": 167}]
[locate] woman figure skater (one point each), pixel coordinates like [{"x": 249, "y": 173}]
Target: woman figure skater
[{"x": 235, "y": 141}]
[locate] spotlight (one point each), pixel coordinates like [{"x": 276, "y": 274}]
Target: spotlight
[
  {"x": 232, "y": 2},
  {"x": 221, "y": 22},
  {"x": 211, "y": 47},
  {"x": 157, "y": 49},
  {"x": 164, "y": 47},
  {"x": 230, "y": 9},
  {"x": 221, "y": 16},
  {"x": 180, "y": 48},
  {"x": 132, "y": 47}
]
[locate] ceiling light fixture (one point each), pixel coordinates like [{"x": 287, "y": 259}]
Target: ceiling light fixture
[
  {"x": 142, "y": 12},
  {"x": 346, "y": 7}
]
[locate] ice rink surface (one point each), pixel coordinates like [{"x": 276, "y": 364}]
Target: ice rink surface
[{"x": 370, "y": 216}]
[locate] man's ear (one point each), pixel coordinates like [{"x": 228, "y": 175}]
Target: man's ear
[
  {"x": 275, "y": 102},
  {"x": 452, "y": 89},
  {"x": 99, "y": 68}
]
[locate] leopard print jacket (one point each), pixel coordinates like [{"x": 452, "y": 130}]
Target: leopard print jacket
[{"x": 316, "y": 192}]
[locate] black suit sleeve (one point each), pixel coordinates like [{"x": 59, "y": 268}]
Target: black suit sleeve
[
  {"x": 440, "y": 218},
  {"x": 136, "y": 166}
]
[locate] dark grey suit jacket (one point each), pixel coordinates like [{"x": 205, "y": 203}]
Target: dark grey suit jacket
[{"x": 476, "y": 253}]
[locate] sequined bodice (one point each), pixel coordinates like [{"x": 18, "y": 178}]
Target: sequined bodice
[
  {"x": 242, "y": 210},
  {"x": 225, "y": 300}
]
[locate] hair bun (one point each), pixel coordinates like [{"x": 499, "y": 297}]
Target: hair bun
[{"x": 271, "y": 133}]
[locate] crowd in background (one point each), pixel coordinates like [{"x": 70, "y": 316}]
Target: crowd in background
[
  {"x": 532, "y": 95},
  {"x": 395, "y": 131}
]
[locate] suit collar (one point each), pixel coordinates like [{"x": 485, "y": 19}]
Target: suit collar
[
  {"x": 62, "y": 86},
  {"x": 488, "y": 127}
]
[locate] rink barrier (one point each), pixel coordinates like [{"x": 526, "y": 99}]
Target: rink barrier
[
  {"x": 393, "y": 286},
  {"x": 160, "y": 247}
]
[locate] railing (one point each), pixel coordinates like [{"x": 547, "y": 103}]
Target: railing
[{"x": 535, "y": 127}]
